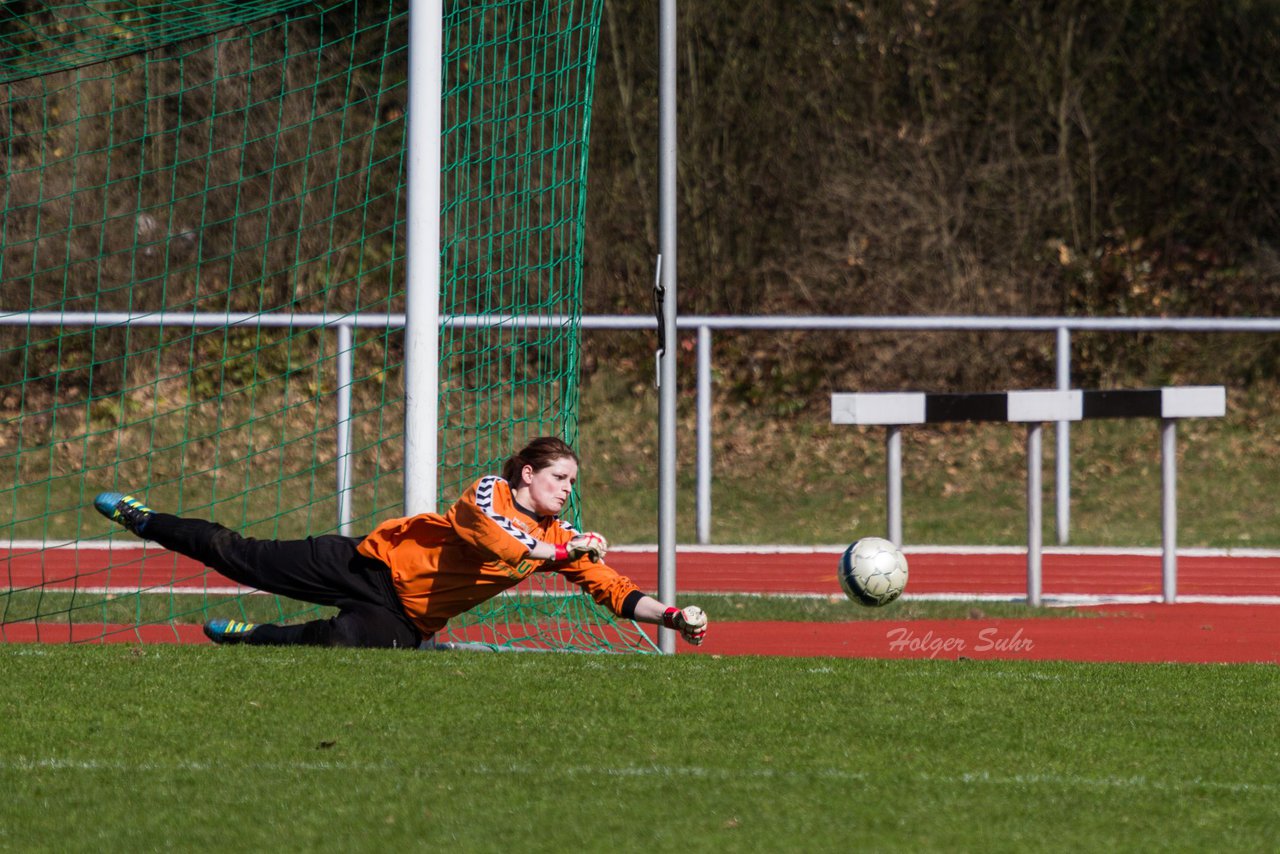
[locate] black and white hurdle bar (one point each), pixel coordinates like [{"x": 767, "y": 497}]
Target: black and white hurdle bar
[{"x": 894, "y": 410}]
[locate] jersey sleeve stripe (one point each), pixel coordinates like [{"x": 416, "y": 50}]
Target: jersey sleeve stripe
[{"x": 484, "y": 500}]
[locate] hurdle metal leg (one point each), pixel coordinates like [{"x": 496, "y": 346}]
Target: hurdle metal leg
[
  {"x": 1035, "y": 512},
  {"x": 1169, "y": 508},
  {"x": 893, "y": 485}
]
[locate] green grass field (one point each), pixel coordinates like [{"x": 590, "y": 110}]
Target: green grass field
[
  {"x": 118, "y": 747},
  {"x": 185, "y": 748}
]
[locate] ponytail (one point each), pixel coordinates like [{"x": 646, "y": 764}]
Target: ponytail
[{"x": 512, "y": 468}]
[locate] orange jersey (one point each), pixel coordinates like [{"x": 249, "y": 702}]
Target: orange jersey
[{"x": 443, "y": 565}]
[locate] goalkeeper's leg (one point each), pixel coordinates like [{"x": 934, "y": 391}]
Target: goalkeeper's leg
[
  {"x": 325, "y": 570},
  {"x": 357, "y": 624}
]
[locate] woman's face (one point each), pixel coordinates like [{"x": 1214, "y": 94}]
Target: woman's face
[{"x": 546, "y": 491}]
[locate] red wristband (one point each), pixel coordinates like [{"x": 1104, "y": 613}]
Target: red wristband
[
  {"x": 562, "y": 551},
  {"x": 669, "y": 617}
]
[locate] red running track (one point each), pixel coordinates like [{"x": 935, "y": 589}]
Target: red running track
[
  {"x": 1136, "y": 633},
  {"x": 1130, "y": 632},
  {"x": 1133, "y": 633}
]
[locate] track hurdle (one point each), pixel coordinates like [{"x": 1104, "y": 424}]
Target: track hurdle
[{"x": 894, "y": 410}]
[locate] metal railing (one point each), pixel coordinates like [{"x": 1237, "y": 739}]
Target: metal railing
[
  {"x": 703, "y": 326},
  {"x": 1061, "y": 327}
]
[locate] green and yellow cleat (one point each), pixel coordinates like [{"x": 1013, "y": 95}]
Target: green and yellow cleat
[
  {"x": 228, "y": 631},
  {"x": 124, "y": 510}
]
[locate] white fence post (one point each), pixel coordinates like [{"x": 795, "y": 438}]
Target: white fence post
[
  {"x": 704, "y": 435},
  {"x": 1062, "y": 435},
  {"x": 343, "y": 455},
  {"x": 668, "y": 242}
]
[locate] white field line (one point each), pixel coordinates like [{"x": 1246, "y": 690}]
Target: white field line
[
  {"x": 166, "y": 590},
  {"x": 984, "y": 778},
  {"x": 95, "y": 765}
]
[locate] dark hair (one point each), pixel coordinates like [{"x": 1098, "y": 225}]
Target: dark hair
[{"x": 539, "y": 453}]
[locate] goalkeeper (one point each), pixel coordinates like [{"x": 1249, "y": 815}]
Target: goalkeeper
[{"x": 399, "y": 585}]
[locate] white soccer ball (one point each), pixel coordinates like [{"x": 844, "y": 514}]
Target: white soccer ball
[{"x": 873, "y": 572}]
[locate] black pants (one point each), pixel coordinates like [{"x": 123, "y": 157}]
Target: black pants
[{"x": 325, "y": 570}]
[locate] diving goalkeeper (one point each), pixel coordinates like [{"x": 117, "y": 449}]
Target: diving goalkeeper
[{"x": 399, "y": 585}]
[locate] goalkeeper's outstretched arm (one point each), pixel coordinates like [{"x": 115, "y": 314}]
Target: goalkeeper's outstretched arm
[{"x": 691, "y": 622}]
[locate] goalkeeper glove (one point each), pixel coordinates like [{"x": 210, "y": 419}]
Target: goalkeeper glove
[
  {"x": 691, "y": 623},
  {"x": 591, "y": 544}
]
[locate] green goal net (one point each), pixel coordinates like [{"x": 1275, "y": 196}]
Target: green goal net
[{"x": 202, "y": 289}]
